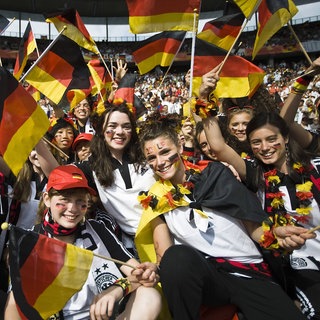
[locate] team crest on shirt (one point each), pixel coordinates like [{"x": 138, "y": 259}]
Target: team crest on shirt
[{"x": 103, "y": 276}]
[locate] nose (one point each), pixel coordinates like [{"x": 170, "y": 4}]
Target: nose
[
  {"x": 241, "y": 127},
  {"x": 265, "y": 145}
]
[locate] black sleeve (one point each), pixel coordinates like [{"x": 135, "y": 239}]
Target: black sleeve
[{"x": 114, "y": 246}]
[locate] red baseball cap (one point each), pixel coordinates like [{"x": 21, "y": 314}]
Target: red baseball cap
[
  {"x": 81, "y": 137},
  {"x": 68, "y": 177}
]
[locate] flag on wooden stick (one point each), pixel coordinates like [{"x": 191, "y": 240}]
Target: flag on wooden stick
[
  {"x": 61, "y": 69},
  {"x": 152, "y": 16},
  {"x": 158, "y": 50},
  {"x": 45, "y": 272},
  {"x": 238, "y": 77},
  {"x": 76, "y": 30},
  {"x": 22, "y": 122},
  {"x": 273, "y": 15},
  {"x": 27, "y": 46}
]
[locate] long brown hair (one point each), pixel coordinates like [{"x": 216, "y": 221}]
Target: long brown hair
[{"x": 101, "y": 157}]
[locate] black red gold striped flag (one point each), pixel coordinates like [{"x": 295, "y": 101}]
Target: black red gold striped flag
[
  {"x": 158, "y": 50},
  {"x": 100, "y": 77},
  {"x": 272, "y": 16},
  {"x": 248, "y": 7},
  {"x": 61, "y": 69},
  {"x": 45, "y": 272},
  {"x": 222, "y": 31},
  {"x": 125, "y": 92},
  {"x": 153, "y": 16},
  {"x": 22, "y": 122},
  {"x": 76, "y": 30},
  {"x": 27, "y": 46},
  {"x": 238, "y": 77},
  {"x": 33, "y": 92}
]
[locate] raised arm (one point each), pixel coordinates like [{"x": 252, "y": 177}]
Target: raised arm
[
  {"x": 290, "y": 107},
  {"x": 212, "y": 129}
]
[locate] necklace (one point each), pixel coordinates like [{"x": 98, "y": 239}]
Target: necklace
[
  {"x": 278, "y": 216},
  {"x": 274, "y": 197},
  {"x": 163, "y": 196}
]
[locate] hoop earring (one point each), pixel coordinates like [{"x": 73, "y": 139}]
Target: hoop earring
[{"x": 287, "y": 154}]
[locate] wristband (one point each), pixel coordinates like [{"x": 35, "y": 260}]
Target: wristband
[
  {"x": 300, "y": 86},
  {"x": 204, "y": 108},
  {"x": 125, "y": 284}
]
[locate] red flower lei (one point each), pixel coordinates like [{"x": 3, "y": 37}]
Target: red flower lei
[{"x": 275, "y": 207}]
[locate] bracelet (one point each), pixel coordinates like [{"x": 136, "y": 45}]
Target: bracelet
[
  {"x": 125, "y": 284},
  {"x": 268, "y": 239},
  {"x": 204, "y": 109}
]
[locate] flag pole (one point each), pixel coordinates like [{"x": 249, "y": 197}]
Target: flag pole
[
  {"x": 101, "y": 57},
  {"x": 237, "y": 38},
  {"x": 193, "y": 45},
  {"x": 8, "y": 25},
  {"x": 299, "y": 42},
  {"x": 55, "y": 147},
  {"x": 8, "y": 226},
  {"x": 173, "y": 60},
  {"x": 43, "y": 53},
  {"x": 114, "y": 260}
]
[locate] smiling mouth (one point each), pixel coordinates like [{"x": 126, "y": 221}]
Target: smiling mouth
[
  {"x": 70, "y": 218},
  {"x": 165, "y": 169}
]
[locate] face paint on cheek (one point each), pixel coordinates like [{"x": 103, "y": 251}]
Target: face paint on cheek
[
  {"x": 151, "y": 166},
  {"x": 174, "y": 158},
  {"x": 277, "y": 145},
  {"x": 110, "y": 132},
  {"x": 60, "y": 206}
]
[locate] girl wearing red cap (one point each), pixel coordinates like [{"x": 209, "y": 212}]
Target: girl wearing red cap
[{"x": 66, "y": 200}]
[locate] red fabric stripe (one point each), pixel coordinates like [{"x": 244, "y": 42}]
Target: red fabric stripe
[
  {"x": 154, "y": 7},
  {"x": 167, "y": 45},
  {"x": 234, "y": 67},
  {"x": 125, "y": 94},
  {"x": 264, "y": 15},
  {"x": 226, "y": 30},
  {"x": 57, "y": 67},
  {"x": 14, "y": 114},
  {"x": 44, "y": 252}
]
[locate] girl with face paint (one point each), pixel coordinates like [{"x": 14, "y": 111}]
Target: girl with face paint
[
  {"x": 119, "y": 169},
  {"x": 66, "y": 201},
  {"x": 203, "y": 225},
  {"x": 285, "y": 178}
]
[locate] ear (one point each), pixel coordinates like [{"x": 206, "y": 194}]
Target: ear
[
  {"x": 46, "y": 199},
  {"x": 180, "y": 148}
]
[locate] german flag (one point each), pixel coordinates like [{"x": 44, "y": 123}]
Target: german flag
[
  {"x": 100, "y": 77},
  {"x": 125, "y": 92},
  {"x": 33, "y": 92},
  {"x": 152, "y": 16},
  {"x": 238, "y": 77},
  {"x": 158, "y": 50},
  {"x": 45, "y": 272},
  {"x": 222, "y": 31},
  {"x": 248, "y": 7},
  {"x": 76, "y": 29},
  {"x": 3, "y": 23},
  {"x": 62, "y": 68},
  {"x": 27, "y": 46},
  {"x": 22, "y": 122},
  {"x": 273, "y": 15}
]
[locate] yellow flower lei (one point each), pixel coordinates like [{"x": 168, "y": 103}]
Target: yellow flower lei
[{"x": 278, "y": 216}]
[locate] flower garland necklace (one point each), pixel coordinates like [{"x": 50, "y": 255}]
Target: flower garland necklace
[
  {"x": 164, "y": 196},
  {"x": 278, "y": 216}
]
